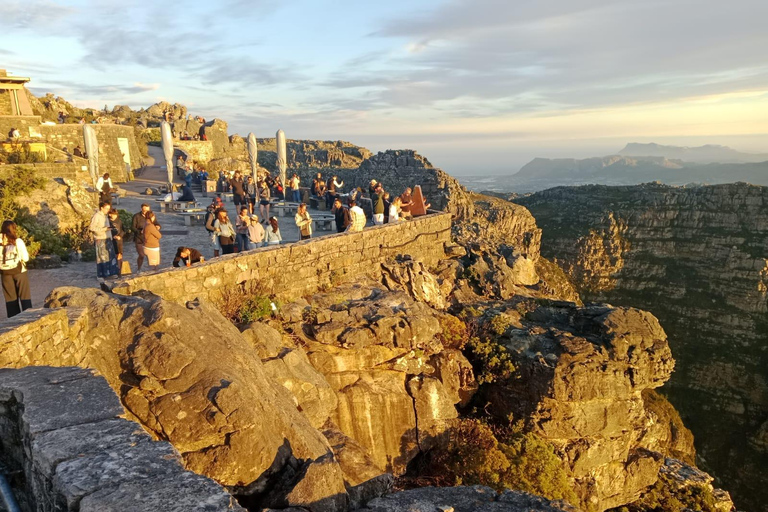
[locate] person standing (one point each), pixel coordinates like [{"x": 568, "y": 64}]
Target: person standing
[
  {"x": 118, "y": 232},
  {"x": 341, "y": 214},
  {"x": 225, "y": 232},
  {"x": 211, "y": 214},
  {"x": 238, "y": 189},
  {"x": 242, "y": 223},
  {"x": 104, "y": 187},
  {"x": 137, "y": 227},
  {"x": 377, "y": 202},
  {"x": 13, "y": 269},
  {"x": 304, "y": 222},
  {"x": 106, "y": 261},
  {"x": 406, "y": 201},
  {"x": 264, "y": 195},
  {"x": 296, "y": 188},
  {"x": 251, "y": 191},
  {"x": 357, "y": 218},
  {"x": 273, "y": 236},
  {"x": 152, "y": 238}
]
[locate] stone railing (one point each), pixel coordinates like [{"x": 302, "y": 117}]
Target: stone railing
[
  {"x": 70, "y": 171},
  {"x": 67, "y": 449},
  {"x": 301, "y": 268}
]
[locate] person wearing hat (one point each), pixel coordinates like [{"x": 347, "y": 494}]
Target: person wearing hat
[
  {"x": 372, "y": 187},
  {"x": 210, "y": 218}
]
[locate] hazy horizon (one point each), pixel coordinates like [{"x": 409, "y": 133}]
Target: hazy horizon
[{"x": 478, "y": 87}]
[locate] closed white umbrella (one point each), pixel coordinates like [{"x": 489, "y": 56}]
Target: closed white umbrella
[
  {"x": 167, "y": 143},
  {"x": 92, "y": 150},
  {"x": 282, "y": 159},
  {"x": 252, "y": 154}
]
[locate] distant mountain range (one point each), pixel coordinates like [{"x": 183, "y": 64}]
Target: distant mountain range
[
  {"x": 708, "y": 154},
  {"x": 643, "y": 163}
]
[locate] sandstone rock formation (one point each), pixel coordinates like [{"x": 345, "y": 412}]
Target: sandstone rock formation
[
  {"x": 61, "y": 204},
  {"x": 696, "y": 258},
  {"x": 189, "y": 377}
]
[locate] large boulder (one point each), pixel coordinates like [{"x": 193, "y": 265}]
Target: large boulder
[{"x": 189, "y": 377}]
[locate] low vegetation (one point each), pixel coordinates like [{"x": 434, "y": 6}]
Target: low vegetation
[
  {"x": 501, "y": 457},
  {"x": 245, "y": 304},
  {"x": 667, "y": 496}
]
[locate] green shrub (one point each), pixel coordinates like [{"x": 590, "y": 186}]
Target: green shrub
[
  {"x": 20, "y": 182},
  {"x": 454, "y": 332},
  {"x": 666, "y": 496},
  {"x": 254, "y": 308},
  {"x": 499, "y": 324},
  {"x": 127, "y": 218},
  {"x": 505, "y": 459},
  {"x": 244, "y": 304},
  {"x": 491, "y": 361}
]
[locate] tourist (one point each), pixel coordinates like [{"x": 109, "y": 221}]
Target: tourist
[
  {"x": 372, "y": 187},
  {"x": 104, "y": 188},
  {"x": 225, "y": 232},
  {"x": 264, "y": 196},
  {"x": 118, "y": 233},
  {"x": 238, "y": 190},
  {"x": 242, "y": 223},
  {"x": 273, "y": 236},
  {"x": 186, "y": 194},
  {"x": 394, "y": 211},
  {"x": 295, "y": 184},
  {"x": 106, "y": 261},
  {"x": 341, "y": 214},
  {"x": 304, "y": 222},
  {"x": 256, "y": 231},
  {"x": 387, "y": 204},
  {"x": 222, "y": 185},
  {"x": 334, "y": 187},
  {"x": 186, "y": 257},
  {"x": 252, "y": 191},
  {"x": 189, "y": 176},
  {"x": 14, "y": 134},
  {"x": 203, "y": 175},
  {"x": 13, "y": 269},
  {"x": 406, "y": 201},
  {"x": 78, "y": 152},
  {"x": 211, "y": 214},
  {"x": 377, "y": 204},
  {"x": 357, "y": 218},
  {"x": 137, "y": 227},
  {"x": 279, "y": 189},
  {"x": 180, "y": 166},
  {"x": 152, "y": 238}
]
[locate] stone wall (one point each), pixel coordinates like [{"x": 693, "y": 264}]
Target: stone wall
[
  {"x": 301, "y": 268},
  {"x": 22, "y": 123},
  {"x": 110, "y": 156},
  {"x": 67, "y": 448},
  {"x": 198, "y": 150},
  {"x": 71, "y": 171}
]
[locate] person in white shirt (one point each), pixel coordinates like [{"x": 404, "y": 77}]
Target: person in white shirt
[
  {"x": 358, "y": 218},
  {"x": 13, "y": 267},
  {"x": 104, "y": 188},
  {"x": 304, "y": 222},
  {"x": 106, "y": 260}
]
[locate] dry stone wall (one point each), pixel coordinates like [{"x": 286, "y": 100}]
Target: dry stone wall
[
  {"x": 21, "y": 123},
  {"x": 301, "y": 268},
  {"x": 72, "y": 171},
  {"x": 68, "y": 449}
]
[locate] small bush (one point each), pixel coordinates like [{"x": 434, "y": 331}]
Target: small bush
[
  {"x": 454, "y": 334},
  {"x": 255, "y": 308},
  {"x": 501, "y": 458},
  {"x": 244, "y": 304},
  {"x": 666, "y": 496},
  {"x": 499, "y": 324},
  {"x": 491, "y": 361}
]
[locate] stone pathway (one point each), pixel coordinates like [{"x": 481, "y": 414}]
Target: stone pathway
[{"x": 175, "y": 234}]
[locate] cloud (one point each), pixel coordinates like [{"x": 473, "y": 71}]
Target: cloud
[
  {"x": 530, "y": 55},
  {"x": 64, "y": 87},
  {"x": 33, "y": 14}
]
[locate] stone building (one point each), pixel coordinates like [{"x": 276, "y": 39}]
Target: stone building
[{"x": 117, "y": 143}]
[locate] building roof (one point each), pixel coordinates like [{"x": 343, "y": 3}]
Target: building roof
[{"x": 4, "y": 78}]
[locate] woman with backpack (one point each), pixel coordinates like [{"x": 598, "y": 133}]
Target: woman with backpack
[{"x": 13, "y": 267}]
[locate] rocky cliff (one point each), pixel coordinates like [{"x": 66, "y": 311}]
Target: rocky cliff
[{"x": 696, "y": 258}]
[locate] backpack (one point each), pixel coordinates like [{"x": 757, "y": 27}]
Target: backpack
[
  {"x": 10, "y": 258},
  {"x": 210, "y": 218}
]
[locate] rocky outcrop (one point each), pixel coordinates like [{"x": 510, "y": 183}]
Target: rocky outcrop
[
  {"x": 696, "y": 258},
  {"x": 373, "y": 347},
  {"x": 580, "y": 374},
  {"x": 189, "y": 377},
  {"x": 61, "y": 204}
]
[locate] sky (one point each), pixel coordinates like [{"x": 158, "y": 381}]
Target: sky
[{"x": 476, "y": 86}]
